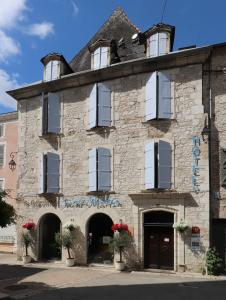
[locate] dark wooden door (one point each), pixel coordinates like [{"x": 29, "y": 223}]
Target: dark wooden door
[{"x": 159, "y": 246}]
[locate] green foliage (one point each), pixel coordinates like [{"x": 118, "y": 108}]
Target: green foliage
[
  {"x": 26, "y": 240},
  {"x": 66, "y": 239},
  {"x": 214, "y": 263},
  {"x": 7, "y": 212},
  {"x": 120, "y": 242}
]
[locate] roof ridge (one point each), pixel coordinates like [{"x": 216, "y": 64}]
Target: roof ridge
[{"x": 126, "y": 17}]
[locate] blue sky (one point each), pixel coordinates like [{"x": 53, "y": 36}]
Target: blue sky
[{"x": 30, "y": 29}]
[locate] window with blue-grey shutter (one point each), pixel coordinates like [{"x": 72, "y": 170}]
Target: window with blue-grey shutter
[
  {"x": 96, "y": 59},
  {"x": 93, "y": 107},
  {"x": 48, "y": 71},
  {"x": 53, "y": 173},
  {"x": 150, "y": 165},
  {"x": 164, "y": 165},
  {"x": 151, "y": 97},
  {"x": 42, "y": 174},
  {"x": 52, "y": 70},
  {"x": 2, "y": 155},
  {"x": 153, "y": 45},
  {"x": 158, "y": 44},
  {"x": 53, "y": 113},
  {"x": 164, "y": 97},
  {"x": 100, "y": 58},
  {"x": 104, "y": 105},
  {"x": 93, "y": 170}
]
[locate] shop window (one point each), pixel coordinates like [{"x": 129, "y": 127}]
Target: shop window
[
  {"x": 99, "y": 169},
  {"x": 49, "y": 173},
  {"x": 99, "y": 106},
  {"x": 158, "y": 164},
  {"x": 52, "y": 70},
  {"x": 158, "y": 97},
  {"x": 158, "y": 44},
  {"x": 101, "y": 58}
]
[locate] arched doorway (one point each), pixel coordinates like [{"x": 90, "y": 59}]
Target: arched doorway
[
  {"x": 158, "y": 240},
  {"x": 49, "y": 225},
  {"x": 99, "y": 234}
]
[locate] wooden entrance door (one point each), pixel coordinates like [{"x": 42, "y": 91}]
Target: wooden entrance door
[{"x": 159, "y": 246}]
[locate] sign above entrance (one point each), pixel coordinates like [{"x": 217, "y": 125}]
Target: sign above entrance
[{"x": 89, "y": 201}]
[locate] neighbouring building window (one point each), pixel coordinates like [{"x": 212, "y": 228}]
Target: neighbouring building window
[
  {"x": 158, "y": 97},
  {"x": 99, "y": 106},
  {"x": 49, "y": 172},
  {"x": 50, "y": 113},
  {"x": 101, "y": 58},
  {"x": 158, "y": 44},
  {"x": 2, "y": 184},
  {"x": 52, "y": 70},
  {"x": 2, "y": 155},
  {"x": 158, "y": 164},
  {"x": 99, "y": 169},
  {"x": 2, "y": 129}
]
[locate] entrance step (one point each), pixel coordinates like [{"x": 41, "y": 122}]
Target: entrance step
[
  {"x": 160, "y": 271},
  {"x": 96, "y": 265}
]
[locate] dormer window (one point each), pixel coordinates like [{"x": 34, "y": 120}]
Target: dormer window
[
  {"x": 158, "y": 44},
  {"x": 100, "y": 58},
  {"x": 52, "y": 70}
]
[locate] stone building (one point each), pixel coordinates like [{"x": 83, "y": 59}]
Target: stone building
[
  {"x": 130, "y": 131},
  {"x": 8, "y": 173}
]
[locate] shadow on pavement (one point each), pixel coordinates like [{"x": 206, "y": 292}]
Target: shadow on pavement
[{"x": 13, "y": 271}]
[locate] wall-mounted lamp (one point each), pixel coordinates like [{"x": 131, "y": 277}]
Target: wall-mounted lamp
[
  {"x": 12, "y": 163},
  {"x": 205, "y": 134}
]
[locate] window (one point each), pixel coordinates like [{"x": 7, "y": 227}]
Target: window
[
  {"x": 50, "y": 113},
  {"x": 99, "y": 169},
  {"x": 49, "y": 173},
  {"x": 99, "y": 106},
  {"x": 52, "y": 70},
  {"x": 2, "y": 155},
  {"x": 2, "y": 184},
  {"x": 2, "y": 130},
  {"x": 158, "y": 161},
  {"x": 100, "y": 58},
  {"x": 158, "y": 97},
  {"x": 158, "y": 44}
]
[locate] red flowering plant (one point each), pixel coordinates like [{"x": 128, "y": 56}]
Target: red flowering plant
[
  {"x": 29, "y": 225},
  {"x": 120, "y": 227}
]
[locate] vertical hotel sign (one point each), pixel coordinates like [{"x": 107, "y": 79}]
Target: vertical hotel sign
[{"x": 195, "y": 163}]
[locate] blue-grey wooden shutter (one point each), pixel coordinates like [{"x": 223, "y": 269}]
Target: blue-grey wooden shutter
[
  {"x": 163, "y": 41},
  {"x": 149, "y": 178},
  {"x": 2, "y": 155},
  {"x": 53, "y": 172},
  {"x": 41, "y": 173},
  {"x": 104, "y": 57},
  {"x": 93, "y": 107},
  {"x": 93, "y": 170},
  {"x": 164, "y": 96},
  {"x": 55, "y": 69},
  {"x": 104, "y": 105},
  {"x": 164, "y": 165},
  {"x": 96, "y": 59},
  {"x": 151, "y": 97},
  {"x": 53, "y": 113},
  {"x": 104, "y": 169},
  {"x": 42, "y": 114},
  {"x": 153, "y": 45},
  {"x": 48, "y": 71}
]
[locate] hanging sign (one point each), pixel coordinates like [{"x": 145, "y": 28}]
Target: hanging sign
[{"x": 195, "y": 238}]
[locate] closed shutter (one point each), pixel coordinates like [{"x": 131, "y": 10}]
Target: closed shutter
[
  {"x": 48, "y": 71},
  {"x": 163, "y": 43},
  {"x": 93, "y": 107},
  {"x": 93, "y": 170},
  {"x": 2, "y": 184},
  {"x": 104, "y": 169},
  {"x": 223, "y": 167},
  {"x": 104, "y": 54},
  {"x": 164, "y": 165},
  {"x": 164, "y": 96},
  {"x": 151, "y": 97},
  {"x": 104, "y": 105},
  {"x": 96, "y": 59},
  {"x": 42, "y": 170},
  {"x": 53, "y": 172},
  {"x": 1, "y": 130},
  {"x": 55, "y": 69},
  {"x": 53, "y": 113},
  {"x": 153, "y": 45},
  {"x": 2, "y": 152},
  {"x": 149, "y": 177}
]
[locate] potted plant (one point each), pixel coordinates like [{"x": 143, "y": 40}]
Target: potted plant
[
  {"x": 66, "y": 239},
  {"x": 120, "y": 241},
  {"x": 27, "y": 240},
  {"x": 181, "y": 226}
]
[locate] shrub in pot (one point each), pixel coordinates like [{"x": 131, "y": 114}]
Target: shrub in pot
[
  {"x": 27, "y": 240},
  {"x": 214, "y": 264},
  {"x": 66, "y": 239}
]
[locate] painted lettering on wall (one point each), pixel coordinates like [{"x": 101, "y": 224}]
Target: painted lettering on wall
[
  {"x": 92, "y": 201},
  {"x": 195, "y": 163}
]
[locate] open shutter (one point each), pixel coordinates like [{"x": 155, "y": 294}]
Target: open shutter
[
  {"x": 104, "y": 57},
  {"x": 96, "y": 59},
  {"x": 93, "y": 107},
  {"x": 104, "y": 169},
  {"x": 104, "y": 105},
  {"x": 42, "y": 114},
  {"x": 48, "y": 71},
  {"x": 164, "y": 165},
  {"x": 153, "y": 45},
  {"x": 55, "y": 69},
  {"x": 93, "y": 170},
  {"x": 151, "y": 97},
  {"x": 53, "y": 172},
  {"x": 42, "y": 171},
  {"x": 150, "y": 165},
  {"x": 53, "y": 113},
  {"x": 164, "y": 96},
  {"x": 163, "y": 43}
]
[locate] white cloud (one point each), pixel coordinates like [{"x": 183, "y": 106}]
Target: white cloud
[
  {"x": 11, "y": 11},
  {"x": 42, "y": 30},
  {"x": 8, "y": 47},
  {"x": 7, "y": 82},
  {"x": 75, "y": 8}
]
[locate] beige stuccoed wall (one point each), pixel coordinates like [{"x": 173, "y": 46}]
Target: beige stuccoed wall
[{"x": 126, "y": 138}]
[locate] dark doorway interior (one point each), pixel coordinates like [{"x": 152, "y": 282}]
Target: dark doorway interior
[
  {"x": 219, "y": 238},
  {"x": 50, "y": 224},
  {"x": 99, "y": 235},
  {"x": 158, "y": 240}
]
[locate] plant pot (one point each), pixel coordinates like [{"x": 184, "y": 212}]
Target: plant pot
[
  {"x": 26, "y": 259},
  {"x": 70, "y": 262},
  {"x": 119, "y": 266}
]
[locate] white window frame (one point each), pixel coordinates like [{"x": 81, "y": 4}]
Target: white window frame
[
  {"x": 100, "y": 61},
  {"x": 167, "y": 46},
  {"x": 51, "y": 76},
  {"x": 3, "y": 130}
]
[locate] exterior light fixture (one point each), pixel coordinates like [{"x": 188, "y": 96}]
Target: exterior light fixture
[
  {"x": 205, "y": 134},
  {"x": 12, "y": 163}
]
